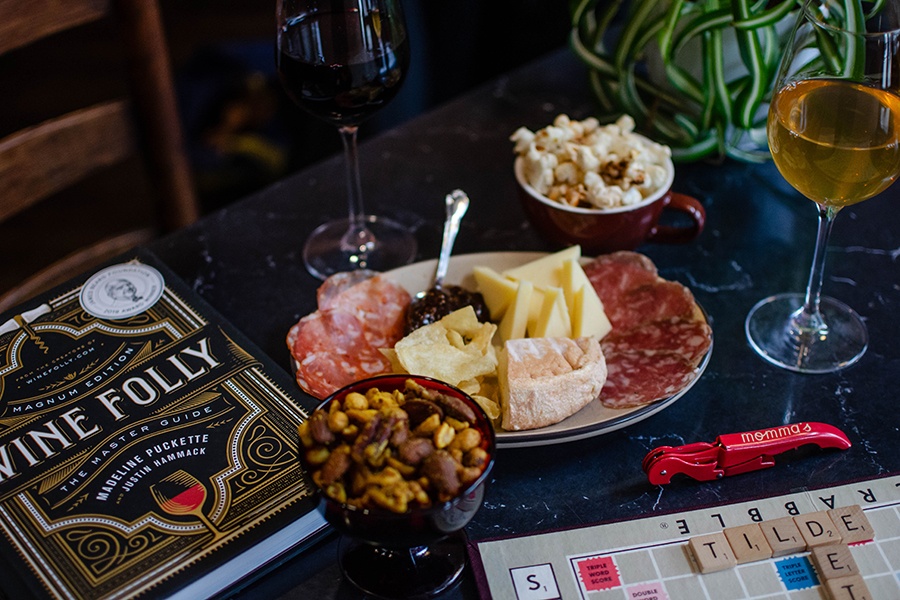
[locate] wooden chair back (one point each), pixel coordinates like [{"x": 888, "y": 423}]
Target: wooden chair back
[{"x": 43, "y": 159}]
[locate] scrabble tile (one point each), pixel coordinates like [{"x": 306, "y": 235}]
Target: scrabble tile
[
  {"x": 783, "y": 536},
  {"x": 817, "y": 529},
  {"x": 712, "y": 552},
  {"x": 848, "y": 588},
  {"x": 834, "y": 561},
  {"x": 852, "y": 524},
  {"x": 748, "y": 543}
]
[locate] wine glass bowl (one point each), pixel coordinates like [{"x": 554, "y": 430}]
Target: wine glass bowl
[
  {"x": 341, "y": 61},
  {"x": 417, "y": 553},
  {"x": 834, "y": 134},
  {"x": 180, "y": 493}
]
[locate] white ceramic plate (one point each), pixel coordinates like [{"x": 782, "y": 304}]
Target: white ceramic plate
[{"x": 594, "y": 419}]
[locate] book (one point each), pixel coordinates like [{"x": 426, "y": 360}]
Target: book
[{"x": 146, "y": 445}]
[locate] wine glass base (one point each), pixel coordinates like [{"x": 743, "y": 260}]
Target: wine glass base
[
  {"x": 405, "y": 573},
  {"x": 326, "y": 251},
  {"x": 772, "y": 333}
]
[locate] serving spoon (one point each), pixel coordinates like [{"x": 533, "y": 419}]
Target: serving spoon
[
  {"x": 440, "y": 300},
  {"x": 457, "y": 203}
]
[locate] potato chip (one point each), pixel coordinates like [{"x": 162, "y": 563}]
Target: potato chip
[
  {"x": 490, "y": 407},
  {"x": 448, "y": 352},
  {"x": 456, "y": 349}
]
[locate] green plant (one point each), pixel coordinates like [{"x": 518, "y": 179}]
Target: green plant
[{"x": 664, "y": 63}]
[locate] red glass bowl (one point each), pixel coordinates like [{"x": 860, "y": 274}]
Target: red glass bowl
[{"x": 419, "y": 553}]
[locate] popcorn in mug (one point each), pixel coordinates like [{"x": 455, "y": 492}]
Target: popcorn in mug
[{"x": 582, "y": 164}]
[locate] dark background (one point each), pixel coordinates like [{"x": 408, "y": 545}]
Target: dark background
[{"x": 241, "y": 131}]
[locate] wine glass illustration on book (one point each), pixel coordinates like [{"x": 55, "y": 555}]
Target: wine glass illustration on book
[
  {"x": 342, "y": 61},
  {"x": 183, "y": 494},
  {"x": 834, "y": 134}
]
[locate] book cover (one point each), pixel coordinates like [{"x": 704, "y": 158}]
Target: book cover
[{"x": 146, "y": 446}]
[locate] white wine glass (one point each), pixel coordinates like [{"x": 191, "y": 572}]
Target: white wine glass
[
  {"x": 342, "y": 61},
  {"x": 834, "y": 134}
]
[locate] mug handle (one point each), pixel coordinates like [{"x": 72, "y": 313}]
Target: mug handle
[{"x": 666, "y": 234}]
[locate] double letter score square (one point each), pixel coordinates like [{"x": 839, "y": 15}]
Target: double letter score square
[{"x": 825, "y": 534}]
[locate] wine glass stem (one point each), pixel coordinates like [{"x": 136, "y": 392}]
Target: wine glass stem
[
  {"x": 358, "y": 240},
  {"x": 809, "y": 318}
]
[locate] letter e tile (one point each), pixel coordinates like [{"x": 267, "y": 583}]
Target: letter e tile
[
  {"x": 712, "y": 552},
  {"x": 748, "y": 543},
  {"x": 848, "y": 588},
  {"x": 834, "y": 561},
  {"x": 852, "y": 524},
  {"x": 783, "y": 536}
]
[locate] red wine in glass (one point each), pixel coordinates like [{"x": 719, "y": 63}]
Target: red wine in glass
[
  {"x": 183, "y": 494},
  {"x": 342, "y": 61}
]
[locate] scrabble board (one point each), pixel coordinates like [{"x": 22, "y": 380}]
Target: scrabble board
[{"x": 837, "y": 543}]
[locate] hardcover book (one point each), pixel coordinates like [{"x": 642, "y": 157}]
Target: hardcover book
[{"x": 146, "y": 446}]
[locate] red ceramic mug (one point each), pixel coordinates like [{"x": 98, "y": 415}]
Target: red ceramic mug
[{"x": 606, "y": 230}]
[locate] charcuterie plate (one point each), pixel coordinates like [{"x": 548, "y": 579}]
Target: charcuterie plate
[{"x": 594, "y": 419}]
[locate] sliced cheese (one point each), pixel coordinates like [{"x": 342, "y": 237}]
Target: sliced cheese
[
  {"x": 585, "y": 306},
  {"x": 553, "y": 320},
  {"x": 498, "y": 291},
  {"x": 545, "y": 271},
  {"x": 515, "y": 320}
]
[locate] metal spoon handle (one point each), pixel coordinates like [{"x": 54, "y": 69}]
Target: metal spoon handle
[{"x": 457, "y": 205}]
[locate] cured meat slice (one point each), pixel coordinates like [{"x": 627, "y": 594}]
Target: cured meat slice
[
  {"x": 376, "y": 301},
  {"x": 340, "y": 282},
  {"x": 661, "y": 300},
  {"x": 338, "y": 344},
  {"x": 639, "y": 378},
  {"x": 331, "y": 351},
  {"x": 688, "y": 339},
  {"x": 617, "y": 273},
  {"x": 659, "y": 333}
]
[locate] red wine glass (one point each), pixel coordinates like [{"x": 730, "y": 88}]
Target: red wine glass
[{"x": 341, "y": 61}]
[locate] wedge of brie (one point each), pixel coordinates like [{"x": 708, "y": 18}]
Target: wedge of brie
[{"x": 544, "y": 380}]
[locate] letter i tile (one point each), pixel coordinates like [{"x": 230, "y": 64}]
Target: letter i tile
[
  {"x": 712, "y": 552},
  {"x": 748, "y": 543}
]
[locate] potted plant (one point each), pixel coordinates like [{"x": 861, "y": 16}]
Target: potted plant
[{"x": 696, "y": 75}]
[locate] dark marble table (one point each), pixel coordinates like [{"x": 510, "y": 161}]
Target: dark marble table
[{"x": 245, "y": 260}]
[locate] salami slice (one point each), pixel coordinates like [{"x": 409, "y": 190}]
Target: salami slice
[
  {"x": 661, "y": 300},
  {"x": 617, "y": 273},
  {"x": 376, "y": 301},
  {"x": 358, "y": 314},
  {"x": 659, "y": 334},
  {"x": 340, "y": 282},
  {"x": 688, "y": 339},
  {"x": 331, "y": 351},
  {"x": 639, "y": 378}
]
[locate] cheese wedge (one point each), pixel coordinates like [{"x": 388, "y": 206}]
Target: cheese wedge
[
  {"x": 498, "y": 291},
  {"x": 545, "y": 380},
  {"x": 585, "y": 307},
  {"x": 515, "y": 320},
  {"x": 553, "y": 319},
  {"x": 545, "y": 271}
]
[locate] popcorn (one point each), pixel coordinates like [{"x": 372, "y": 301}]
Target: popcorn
[{"x": 582, "y": 164}]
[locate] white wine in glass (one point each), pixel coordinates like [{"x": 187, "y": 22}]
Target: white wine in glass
[{"x": 834, "y": 134}]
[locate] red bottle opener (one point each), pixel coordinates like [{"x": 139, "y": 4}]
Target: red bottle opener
[{"x": 736, "y": 453}]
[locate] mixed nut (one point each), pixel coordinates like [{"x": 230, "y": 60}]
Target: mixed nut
[{"x": 394, "y": 450}]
